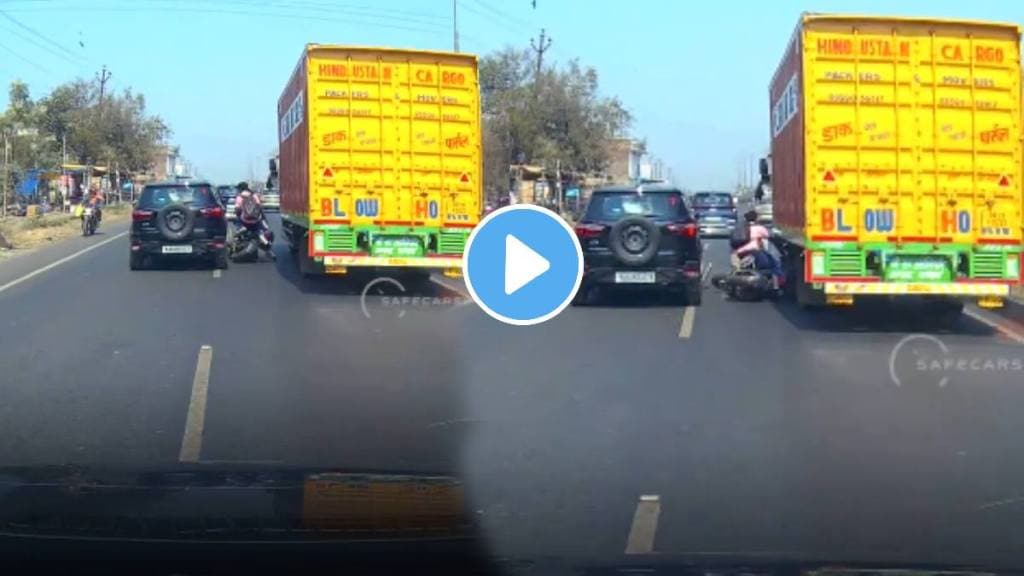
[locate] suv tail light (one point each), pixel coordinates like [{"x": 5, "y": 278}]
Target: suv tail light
[
  {"x": 142, "y": 215},
  {"x": 213, "y": 212},
  {"x": 588, "y": 231},
  {"x": 686, "y": 230}
]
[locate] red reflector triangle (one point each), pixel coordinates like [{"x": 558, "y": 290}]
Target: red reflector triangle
[
  {"x": 1004, "y": 181},
  {"x": 328, "y": 173},
  {"x": 464, "y": 177},
  {"x": 829, "y": 176}
]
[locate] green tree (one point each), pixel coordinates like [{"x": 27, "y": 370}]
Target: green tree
[
  {"x": 556, "y": 117},
  {"x": 118, "y": 131}
]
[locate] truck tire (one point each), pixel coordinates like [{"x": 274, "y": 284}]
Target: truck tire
[
  {"x": 307, "y": 266},
  {"x": 806, "y": 296}
]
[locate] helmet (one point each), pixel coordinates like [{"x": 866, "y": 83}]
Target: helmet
[
  {"x": 750, "y": 216},
  {"x": 242, "y": 186}
]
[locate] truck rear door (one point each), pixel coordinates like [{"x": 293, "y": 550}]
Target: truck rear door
[{"x": 913, "y": 132}]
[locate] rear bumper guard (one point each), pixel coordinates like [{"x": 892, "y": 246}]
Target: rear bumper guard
[
  {"x": 925, "y": 288},
  {"x": 346, "y": 260}
]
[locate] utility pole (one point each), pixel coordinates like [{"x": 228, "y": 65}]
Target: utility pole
[
  {"x": 7, "y": 169},
  {"x": 455, "y": 25},
  {"x": 540, "y": 48},
  {"x": 558, "y": 185},
  {"x": 103, "y": 77}
]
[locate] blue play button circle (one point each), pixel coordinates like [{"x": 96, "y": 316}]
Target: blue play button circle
[{"x": 524, "y": 264}]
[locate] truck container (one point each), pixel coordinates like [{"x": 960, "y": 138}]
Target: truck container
[
  {"x": 896, "y": 158},
  {"x": 380, "y": 158}
]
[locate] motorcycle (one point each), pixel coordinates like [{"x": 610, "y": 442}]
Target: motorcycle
[
  {"x": 248, "y": 241},
  {"x": 748, "y": 283},
  {"x": 90, "y": 220}
]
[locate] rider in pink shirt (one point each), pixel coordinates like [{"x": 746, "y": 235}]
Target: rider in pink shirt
[{"x": 757, "y": 247}]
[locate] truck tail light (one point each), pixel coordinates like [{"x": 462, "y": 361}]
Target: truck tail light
[
  {"x": 817, "y": 264},
  {"x": 687, "y": 230},
  {"x": 214, "y": 212},
  {"x": 318, "y": 241},
  {"x": 588, "y": 231},
  {"x": 142, "y": 215},
  {"x": 1014, "y": 264}
]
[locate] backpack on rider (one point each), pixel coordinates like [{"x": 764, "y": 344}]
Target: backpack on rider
[{"x": 740, "y": 235}]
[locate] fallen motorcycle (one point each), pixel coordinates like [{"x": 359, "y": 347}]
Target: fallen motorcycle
[
  {"x": 247, "y": 242},
  {"x": 748, "y": 283}
]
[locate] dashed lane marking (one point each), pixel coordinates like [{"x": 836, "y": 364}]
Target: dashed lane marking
[
  {"x": 645, "y": 525},
  {"x": 63, "y": 260},
  {"x": 216, "y": 273},
  {"x": 192, "y": 440},
  {"x": 686, "y": 328}
]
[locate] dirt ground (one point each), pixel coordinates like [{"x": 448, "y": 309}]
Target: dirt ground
[{"x": 27, "y": 233}]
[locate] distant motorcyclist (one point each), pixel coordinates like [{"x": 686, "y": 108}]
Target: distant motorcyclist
[
  {"x": 94, "y": 200},
  {"x": 756, "y": 246},
  {"x": 250, "y": 215}
]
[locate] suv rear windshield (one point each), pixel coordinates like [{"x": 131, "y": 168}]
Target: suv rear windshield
[
  {"x": 712, "y": 199},
  {"x": 156, "y": 197},
  {"x": 618, "y": 205}
]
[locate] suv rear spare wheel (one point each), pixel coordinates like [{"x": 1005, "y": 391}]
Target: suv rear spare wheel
[
  {"x": 634, "y": 240},
  {"x": 175, "y": 221}
]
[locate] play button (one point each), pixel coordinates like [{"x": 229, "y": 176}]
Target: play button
[{"x": 523, "y": 264}]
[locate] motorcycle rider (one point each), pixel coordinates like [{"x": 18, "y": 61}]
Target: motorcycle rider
[
  {"x": 94, "y": 200},
  {"x": 757, "y": 247},
  {"x": 257, "y": 223}
]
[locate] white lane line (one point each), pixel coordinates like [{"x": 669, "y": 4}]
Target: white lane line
[
  {"x": 686, "y": 328},
  {"x": 645, "y": 525},
  {"x": 707, "y": 271},
  {"x": 1019, "y": 339},
  {"x": 56, "y": 263},
  {"x": 192, "y": 440},
  {"x": 216, "y": 273}
]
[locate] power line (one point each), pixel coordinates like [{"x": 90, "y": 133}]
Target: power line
[
  {"x": 37, "y": 34},
  {"x": 321, "y": 8},
  {"x": 502, "y": 14},
  {"x": 37, "y": 43},
  {"x": 434, "y": 28},
  {"x": 26, "y": 60}
]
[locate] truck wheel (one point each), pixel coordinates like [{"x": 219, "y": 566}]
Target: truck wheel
[{"x": 307, "y": 266}]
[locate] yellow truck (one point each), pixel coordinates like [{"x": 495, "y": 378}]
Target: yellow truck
[
  {"x": 380, "y": 158},
  {"x": 896, "y": 159}
]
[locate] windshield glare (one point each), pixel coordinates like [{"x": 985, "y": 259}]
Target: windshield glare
[{"x": 610, "y": 206}]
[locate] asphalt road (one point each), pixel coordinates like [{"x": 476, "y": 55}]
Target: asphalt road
[{"x": 757, "y": 428}]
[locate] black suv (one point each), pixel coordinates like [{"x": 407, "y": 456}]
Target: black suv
[
  {"x": 640, "y": 237},
  {"x": 178, "y": 220}
]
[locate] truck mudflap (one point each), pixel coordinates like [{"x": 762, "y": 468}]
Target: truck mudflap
[{"x": 915, "y": 288}]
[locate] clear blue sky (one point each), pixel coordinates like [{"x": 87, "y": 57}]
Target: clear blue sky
[{"x": 694, "y": 74}]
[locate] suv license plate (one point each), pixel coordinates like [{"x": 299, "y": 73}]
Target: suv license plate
[
  {"x": 634, "y": 277},
  {"x": 183, "y": 249}
]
